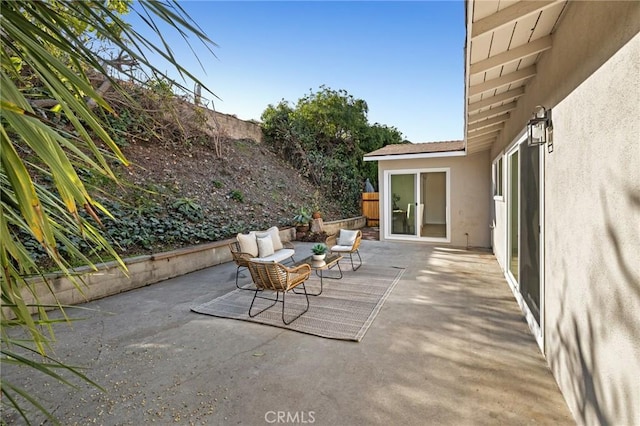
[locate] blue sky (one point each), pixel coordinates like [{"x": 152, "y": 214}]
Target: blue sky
[{"x": 405, "y": 59}]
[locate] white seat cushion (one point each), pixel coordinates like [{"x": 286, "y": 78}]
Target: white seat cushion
[
  {"x": 340, "y": 248},
  {"x": 278, "y": 256}
]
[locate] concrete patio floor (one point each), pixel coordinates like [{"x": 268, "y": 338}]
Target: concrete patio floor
[{"x": 449, "y": 347}]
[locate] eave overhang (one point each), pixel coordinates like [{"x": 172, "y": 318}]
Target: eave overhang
[{"x": 505, "y": 40}]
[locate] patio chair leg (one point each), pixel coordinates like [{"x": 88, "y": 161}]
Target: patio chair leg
[
  {"x": 237, "y": 273},
  {"x": 300, "y": 314},
  {"x": 355, "y": 268},
  {"x": 255, "y": 295}
]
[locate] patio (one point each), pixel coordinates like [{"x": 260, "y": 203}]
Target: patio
[{"x": 449, "y": 346}]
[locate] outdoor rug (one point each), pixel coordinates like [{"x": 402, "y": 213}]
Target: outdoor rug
[{"x": 345, "y": 309}]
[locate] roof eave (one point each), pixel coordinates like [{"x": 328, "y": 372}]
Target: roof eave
[{"x": 389, "y": 157}]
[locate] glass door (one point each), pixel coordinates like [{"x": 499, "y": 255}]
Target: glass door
[
  {"x": 524, "y": 231},
  {"x": 417, "y": 204},
  {"x": 432, "y": 208},
  {"x": 530, "y": 228},
  {"x": 403, "y": 203},
  {"x": 513, "y": 216}
]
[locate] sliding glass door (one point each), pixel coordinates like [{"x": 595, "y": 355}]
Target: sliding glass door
[
  {"x": 524, "y": 230},
  {"x": 434, "y": 205},
  {"x": 513, "y": 218},
  {"x": 403, "y": 197},
  {"x": 530, "y": 228},
  {"x": 417, "y": 204}
]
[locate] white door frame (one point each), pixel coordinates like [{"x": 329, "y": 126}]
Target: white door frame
[{"x": 386, "y": 202}]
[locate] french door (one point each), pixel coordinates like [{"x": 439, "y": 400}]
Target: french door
[{"x": 417, "y": 204}]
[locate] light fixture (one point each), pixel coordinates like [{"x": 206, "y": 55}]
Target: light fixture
[{"x": 540, "y": 127}]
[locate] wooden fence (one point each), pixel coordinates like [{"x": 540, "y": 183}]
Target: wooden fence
[{"x": 371, "y": 208}]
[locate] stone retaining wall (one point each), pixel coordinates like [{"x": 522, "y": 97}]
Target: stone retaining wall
[
  {"x": 218, "y": 123},
  {"x": 233, "y": 127}
]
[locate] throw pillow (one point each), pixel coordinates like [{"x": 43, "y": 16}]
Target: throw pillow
[
  {"x": 347, "y": 237},
  {"x": 265, "y": 245},
  {"x": 275, "y": 237},
  {"x": 248, "y": 243}
]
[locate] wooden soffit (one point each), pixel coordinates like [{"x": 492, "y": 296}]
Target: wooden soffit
[{"x": 505, "y": 40}]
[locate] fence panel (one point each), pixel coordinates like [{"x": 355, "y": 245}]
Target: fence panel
[{"x": 371, "y": 207}]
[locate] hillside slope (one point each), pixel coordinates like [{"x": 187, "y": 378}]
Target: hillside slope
[{"x": 248, "y": 187}]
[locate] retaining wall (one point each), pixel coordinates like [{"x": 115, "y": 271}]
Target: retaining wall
[
  {"x": 233, "y": 127},
  {"x": 110, "y": 279},
  {"x": 218, "y": 123}
]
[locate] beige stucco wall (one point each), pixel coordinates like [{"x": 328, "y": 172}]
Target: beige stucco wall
[
  {"x": 470, "y": 190},
  {"x": 591, "y": 80}
]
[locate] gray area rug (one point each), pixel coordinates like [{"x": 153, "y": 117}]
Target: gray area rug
[{"x": 345, "y": 309}]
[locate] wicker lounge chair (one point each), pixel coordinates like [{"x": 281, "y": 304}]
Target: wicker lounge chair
[
  {"x": 346, "y": 241},
  {"x": 285, "y": 250},
  {"x": 279, "y": 278}
]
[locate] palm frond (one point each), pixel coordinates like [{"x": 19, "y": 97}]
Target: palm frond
[{"x": 43, "y": 52}]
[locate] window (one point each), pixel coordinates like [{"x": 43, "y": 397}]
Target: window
[{"x": 498, "y": 184}]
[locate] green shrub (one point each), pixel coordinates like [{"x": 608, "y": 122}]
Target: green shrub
[
  {"x": 236, "y": 195},
  {"x": 190, "y": 209}
]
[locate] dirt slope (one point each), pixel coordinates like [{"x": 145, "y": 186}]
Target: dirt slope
[{"x": 249, "y": 184}]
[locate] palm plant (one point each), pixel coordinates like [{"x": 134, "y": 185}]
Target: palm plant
[{"x": 48, "y": 125}]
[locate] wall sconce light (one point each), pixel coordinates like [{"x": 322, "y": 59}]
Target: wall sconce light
[{"x": 540, "y": 127}]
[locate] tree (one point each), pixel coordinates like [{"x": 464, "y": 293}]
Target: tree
[
  {"x": 336, "y": 120},
  {"x": 325, "y": 137},
  {"x": 50, "y": 53},
  {"x": 378, "y": 136}
]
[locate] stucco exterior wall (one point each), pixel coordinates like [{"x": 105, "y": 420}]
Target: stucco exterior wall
[
  {"x": 470, "y": 190},
  {"x": 590, "y": 79},
  {"x": 593, "y": 296}
]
